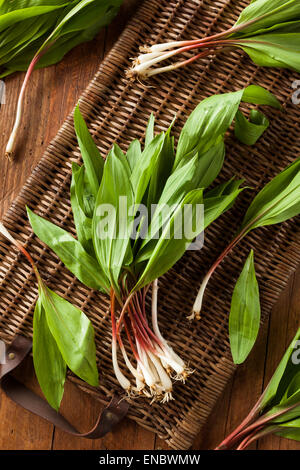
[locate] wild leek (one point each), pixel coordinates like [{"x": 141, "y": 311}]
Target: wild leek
[
  {"x": 278, "y": 201},
  {"x": 278, "y": 409},
  {"x": 268, "y": 31},
  {"x": 37, "y": 34},
  {"x": 135, "y": 215},
  {"x": 62, "y": 336}
]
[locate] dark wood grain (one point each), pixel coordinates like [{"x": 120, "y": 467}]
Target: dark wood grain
[{"x": 52, "y": 95}]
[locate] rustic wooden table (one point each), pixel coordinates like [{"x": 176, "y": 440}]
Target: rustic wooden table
[{"x": 51, "y": 97}]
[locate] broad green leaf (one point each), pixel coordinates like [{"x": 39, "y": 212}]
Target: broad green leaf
[
  {"x": 273, "y": 50},
  {"x": 59, "y": 24},
  {"x": 92, "y": 159},
  {"x": 179, "y": 183},
  {"x": 278, "y": 201},
  {"x": 84, "y": 193},
  {"x": 175, "y": 238},
  {"x": 161, "y": 170},
  {"x": 244, "y": 318},
  {"x": 248, "y": 132},
  {"x": 266, "y": 13},
  {"x": 49, "y": 366},
  {"x": 70, "y": 251},
  {"x": 209, "y": 120},
  {"x": 290, "y": 430},
  {"x": 143, "y": 169},
  {"x": 210, "y": 164},
  {"x": 73, "y": 334},
  {"x": 290, "y": 413},
  {"x": 12, "y": 17},
  {"x": 120, "y": 154},
  {"x": 256, "y": 94},
  {"x": 71, "y": 23},
  {"x": 134, "y": 153},
  {"x": 111, "y": 222},
  {"x": 83, "y": 224}
]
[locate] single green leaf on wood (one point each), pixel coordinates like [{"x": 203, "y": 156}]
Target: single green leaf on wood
[
  {"x": 73, "y": 334},
  {"x": 244, "y": 318},
  {"x": 49, "y": 365}
]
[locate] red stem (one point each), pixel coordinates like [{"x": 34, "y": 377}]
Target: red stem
[
  {"x": 135, "y": 353},
  {"x": 142, "y": 318},
  {"x": 112, "y": 312}
]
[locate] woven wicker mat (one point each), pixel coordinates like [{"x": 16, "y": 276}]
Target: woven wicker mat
[{"x": 117, "y": 111}]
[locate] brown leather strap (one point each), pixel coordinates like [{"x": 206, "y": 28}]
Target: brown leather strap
[{"x": 16, "y": 391}]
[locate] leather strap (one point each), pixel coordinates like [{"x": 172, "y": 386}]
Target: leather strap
[{"x": 20, "y": 394}]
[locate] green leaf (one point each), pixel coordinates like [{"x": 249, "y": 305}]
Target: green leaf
[
  {"x": 207, "y": 124},
  {"x": 54, "y": 27},
  {"x": 143, "y": 169},
  {"x": 210, "y": 164},
  {"x": 248, "y": 132},
  {"x": 244, "y": 316},
  {"x": 71, "y": 22},
  {"x": 12, "y": 17},
  {"x": 179, "y": 183},
  {"x": 70, "y": 251},
  {"x": 273, "y": 50},
  {"x": 278, "y": 201},
  {"x": 256, "y": 94},
  {"x": 111, "y": 223},
  {"x": 50, "y": 368},
  {"x": 84, "y": 194},
  {"x": 209, "y": 120},
  {"x": 73, "y": 334},
  {"x": 83, "y": 224},
  {"x": 175, "y": 239},
  {"x": 93, "y": 161},
  {"x": 161, "y": 170},
  {"x": 134, "y": 153},
  {"x": 290, "y": 430},
  {"x": 266, "y": 13}
]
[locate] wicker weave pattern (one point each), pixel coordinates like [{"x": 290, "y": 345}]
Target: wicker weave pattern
[{"x": 117, "y": 111}]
